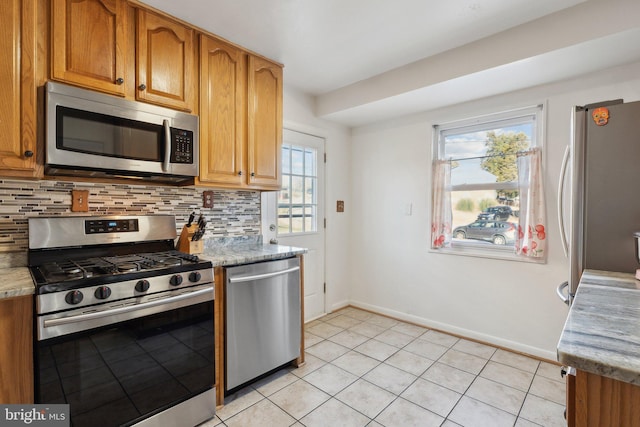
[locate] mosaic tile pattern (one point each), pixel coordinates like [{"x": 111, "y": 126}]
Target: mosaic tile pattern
[{"x": 234, "y": 213}]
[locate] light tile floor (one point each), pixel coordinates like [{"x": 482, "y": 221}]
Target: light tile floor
[{"x": 363, "y": 369}]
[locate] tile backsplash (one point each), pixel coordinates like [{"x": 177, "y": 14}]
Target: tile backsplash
[{"x": 234, "y": 213}]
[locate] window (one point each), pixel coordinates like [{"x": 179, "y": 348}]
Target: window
[
  {"x": 298, "y": 201},
  {"x": 481, "y": 194}
]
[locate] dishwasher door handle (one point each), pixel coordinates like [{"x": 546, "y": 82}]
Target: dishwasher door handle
[{"x": 240, "y": 279}]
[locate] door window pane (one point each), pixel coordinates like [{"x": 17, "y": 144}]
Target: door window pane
[
  {"x": 310, "y": 220},
  {"x": 309, "y": 191},
  {"x": 284, "y": 195},
  {"x": 297, "y": 189},
  {"x": 297, "y": 161},
  {"x": 309, "y": 162},
  {"x": 286, "y": 160},
  {"x": 284, "y": 220},
  {"x": 297, "y": 223}
]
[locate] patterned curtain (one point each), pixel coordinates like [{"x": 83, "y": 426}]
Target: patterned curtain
[
  {"x": 531, "y": 239},
  {"x": 441, "y": 205}
]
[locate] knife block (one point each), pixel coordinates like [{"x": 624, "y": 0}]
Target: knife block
[{"x": 186, "y": 245}]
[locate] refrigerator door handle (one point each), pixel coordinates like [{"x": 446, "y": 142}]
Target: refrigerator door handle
[
  {"x": 563, "y": 174},
  {"x": 560, "y": 291}
]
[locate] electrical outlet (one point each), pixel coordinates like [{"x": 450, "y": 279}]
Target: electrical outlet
[
  {"x": 207, "y": 199},
  {"x": 79, "y": 200}
]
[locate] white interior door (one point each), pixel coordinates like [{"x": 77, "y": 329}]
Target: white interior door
[{"x": 300, "y": 212}]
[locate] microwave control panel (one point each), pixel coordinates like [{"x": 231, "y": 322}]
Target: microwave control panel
[{"x": 181, "y": 146}]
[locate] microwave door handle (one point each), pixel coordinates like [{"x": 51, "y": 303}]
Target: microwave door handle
[{"x": 167, "y": 145}]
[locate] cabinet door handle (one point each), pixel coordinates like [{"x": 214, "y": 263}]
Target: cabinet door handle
[
  {"x": 253, "y": 174},
  {"x": 119, "y": 80},
  {"x": 239, "y": 173},
  {"x": 28, "y": 153},
  {"x": 142, "y": 86}
]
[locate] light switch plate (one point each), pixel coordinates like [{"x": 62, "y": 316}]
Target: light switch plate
[
  {"x": 408, "y": 209},
  {"x": 79, "y": 200},
  {"x": 340, "y": 206}
]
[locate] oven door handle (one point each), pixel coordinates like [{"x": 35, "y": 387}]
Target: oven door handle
[
  {"x": 49, "y": 323},
  {"x": 239, "y": 279}
]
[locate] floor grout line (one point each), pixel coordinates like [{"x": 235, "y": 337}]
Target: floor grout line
[{"x": 469, "y": 350}]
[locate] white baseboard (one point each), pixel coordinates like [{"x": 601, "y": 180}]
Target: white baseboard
[
  {"x": 338, "y": 305},
  {"x": 333, "y": 308},
  {"x": 474, "y": 335}
]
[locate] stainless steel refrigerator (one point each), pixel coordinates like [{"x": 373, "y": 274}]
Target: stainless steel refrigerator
[{"x": 600, "y": 184}]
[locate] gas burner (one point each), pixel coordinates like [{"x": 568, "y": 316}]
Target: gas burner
[
  {"x": 65, "y": 275},
  {"x": 127, "y": 266},
  {"x": 165, "y": 260},
  {"x": 66, "y": 270}
]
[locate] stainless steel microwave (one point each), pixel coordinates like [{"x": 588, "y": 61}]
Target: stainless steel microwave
[{"x": 92, "y": 134}]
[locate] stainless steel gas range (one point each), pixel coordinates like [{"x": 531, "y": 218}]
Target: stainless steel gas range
[{"x": 124, "y": 322}]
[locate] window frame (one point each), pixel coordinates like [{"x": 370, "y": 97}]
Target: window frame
[
  {"x": 504, "y": 118},
  {"x": 304, "y": 205}
]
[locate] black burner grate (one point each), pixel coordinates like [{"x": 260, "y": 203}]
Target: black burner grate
[{"x": 95, "y": 267}]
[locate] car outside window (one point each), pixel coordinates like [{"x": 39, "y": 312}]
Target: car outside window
[{"x": 482, "y": 154}]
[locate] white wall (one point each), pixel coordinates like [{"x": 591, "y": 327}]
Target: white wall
[
  {"x": 392, "y": 270},
  {"x": 298, "y": 111}
]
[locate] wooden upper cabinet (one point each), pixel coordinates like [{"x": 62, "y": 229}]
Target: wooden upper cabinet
[
  {"x": 18, "y": 106},
  {"x": 240, "y": 117},
  {"x": 222, "y": 112},
  {"x": 165, "y": 62},
  {"x": 89, "y": 43},
  {"x": 264, "y": 123}
]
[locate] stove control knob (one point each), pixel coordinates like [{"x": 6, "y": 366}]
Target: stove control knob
[
  {"x": 175, "y": 280},
  {"x": 195, "y": 276},
  {"x": 103, "y": 292},
  {"x": 142, "y": 286},
  {"x": 73, "y": 297}
]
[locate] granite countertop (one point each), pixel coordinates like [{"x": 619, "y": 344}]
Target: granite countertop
[
  {"x": 247, "y": 253},
  {"x": 602, "y": 333},
  {"x": 16, "y": 282}
]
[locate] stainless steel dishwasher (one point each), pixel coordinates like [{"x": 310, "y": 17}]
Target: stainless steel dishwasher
[{"x": 263, "y": 319}]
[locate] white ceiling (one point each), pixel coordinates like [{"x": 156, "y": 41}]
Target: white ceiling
[{"x": 330, "y": 47}]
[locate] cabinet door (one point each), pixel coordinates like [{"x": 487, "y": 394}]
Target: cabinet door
[
  {"x": 88, "y": 43},
  {"x": 605, "y": 402},
  {"x": 18, "y": 106},
  {"x": 16, "y": 351},
  {"x": 264, "y": 123},
  {"x": 222, "y": 112},
  {"x": 570, "y": 408},
  {"x": 165, "y": 62}
]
